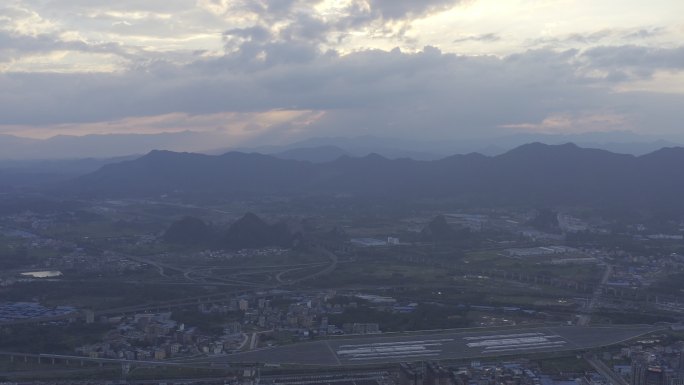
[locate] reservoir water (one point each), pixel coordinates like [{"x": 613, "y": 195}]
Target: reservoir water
[{"x": 42, "y": 274}]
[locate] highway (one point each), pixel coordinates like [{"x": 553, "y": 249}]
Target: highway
[
  {"x": 253, "y": 342},
  {"x": 327, "y": 270},
  {"x": 56, "y": 358},
  {"x": 604, "y": 370},
  {"x": 585, "y": 319}
]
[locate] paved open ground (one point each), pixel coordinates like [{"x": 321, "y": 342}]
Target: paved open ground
[{"x": 455, "y": 344}]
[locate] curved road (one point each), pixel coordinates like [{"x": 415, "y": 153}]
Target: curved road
[{"x": 332, "y": 266}]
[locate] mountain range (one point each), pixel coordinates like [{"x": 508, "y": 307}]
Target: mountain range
[
  {"x": 624, "y": 142},
  {"x": 535, "y": 173}
]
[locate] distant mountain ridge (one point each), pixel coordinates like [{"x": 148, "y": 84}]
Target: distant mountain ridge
[
  {"x": 319, "y": 154},
  {"x": 315, "y": 149},
  {"x": 624, "y": 142},
  {"x": 532, "y": 173}
]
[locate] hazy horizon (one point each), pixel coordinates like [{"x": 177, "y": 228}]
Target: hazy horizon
[{"x": 115, "y": 145}]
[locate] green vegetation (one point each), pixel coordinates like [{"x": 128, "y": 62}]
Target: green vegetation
[
  {"x": 643, "y": 317},
  {"x": 16, "y": 253},
  {"x": 278, "y": 337},
  {"x": 52, "y": 338},
  {"x": 98, "y": 294},
  {"x": 672, "y": 284},
  {"x": 536, "y": 265},
  {"x": 425, "y": 317},
  {"x": 212, "y": 323}
]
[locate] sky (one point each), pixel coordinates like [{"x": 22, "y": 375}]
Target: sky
[{"x": 268, "y": 72}]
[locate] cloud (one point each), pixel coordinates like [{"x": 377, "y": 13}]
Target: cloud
[
  {"x": 392, "y": 93},
  {"x": 644, "y": 33},
  {"x": 39, "y": 36},
  {"x": 238, "y": 127},
  {"x": 641, "y": 58},
  {"x": 400, "y": 9},
  {"x": 622, "y": 36},
  {"x": 323, "y": 24},
  {"x": 203, "y": 62},
  {"x": 575, "y": 123},
  {"x": 487, "y": 37},
  {"x": 13, "y": 46}
]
